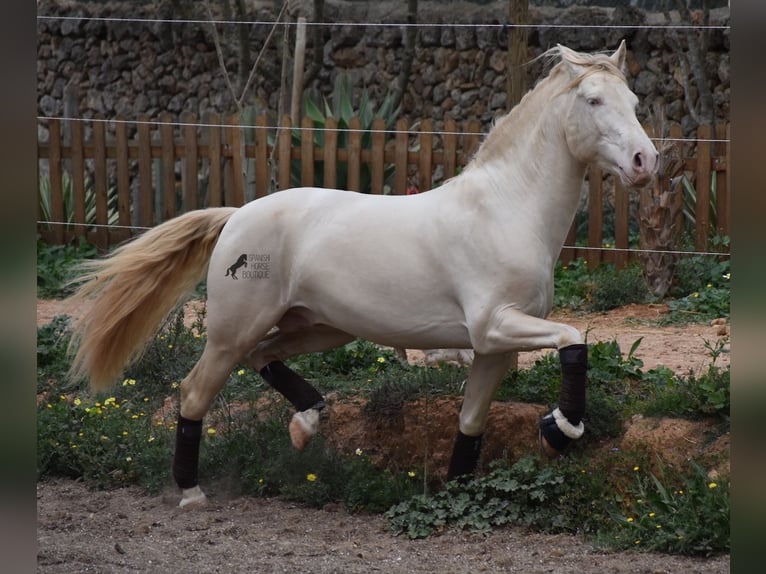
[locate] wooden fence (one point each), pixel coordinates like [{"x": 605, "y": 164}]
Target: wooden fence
[{"x": 104, "y": 183}]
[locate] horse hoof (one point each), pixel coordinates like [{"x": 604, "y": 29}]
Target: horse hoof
[
  {"x": 546, "y": 449},
  {"x": 192, "y": 498},
  {"x": 303, "y": 427}
]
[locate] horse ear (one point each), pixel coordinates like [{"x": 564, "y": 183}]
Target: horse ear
[
  {"x": 569, "y": 58},
  {"x": 618, "y": 58}
]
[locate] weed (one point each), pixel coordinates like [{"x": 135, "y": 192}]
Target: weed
[{"x": 664, "y": 514}]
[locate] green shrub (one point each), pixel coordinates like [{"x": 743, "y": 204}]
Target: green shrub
[
  {"x": 609, "y": 288},
  {"x": 55, "y": 264}
]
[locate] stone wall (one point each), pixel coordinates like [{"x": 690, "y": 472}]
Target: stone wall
[{"x": 88, "y": 67}]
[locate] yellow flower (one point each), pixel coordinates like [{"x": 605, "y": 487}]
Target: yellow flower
[
  {"x": 635, "y": 469},
  {"x": 150, "y": 439},
  {"x": 651, "y": 515},
  {"x": 129, "y": 458},
  {"x": 211, "y": 431},
  {"x": 381, "y": 359},
  {"x": 709, "y": 285},
  {"x": 127, "y": 382},
  {"x": 311, "y": 477},
  {"x": 695, "y": 295},
  {"x": 359, "y": 452},
  {"x": 712, "y": 485},
  {"x": 241, "y": 372},
  {"x": 124, "y": 433},
  {"x": 77, "y": 402},
  {"x": 174, "y": 386},
  {"x": 134, "y": 417},
  {"x": 170, "y": 345},
  {"x": 50, "y": 406},
  {"x": 630, "y": 519},
  {"x": 411, "y": 474}
]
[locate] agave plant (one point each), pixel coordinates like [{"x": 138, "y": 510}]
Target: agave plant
[
  {"x": 340, "y": 107},
  {"x": 67, "y": 192}
]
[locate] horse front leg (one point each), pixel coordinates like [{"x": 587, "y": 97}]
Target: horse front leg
[
  {"x": 485, "y": 376},
  {"x": 510, "y": 328}
]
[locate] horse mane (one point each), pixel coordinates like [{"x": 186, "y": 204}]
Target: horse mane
[{"x": 502, "y": 136}]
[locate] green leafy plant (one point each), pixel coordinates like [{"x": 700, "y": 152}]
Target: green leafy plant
[
  {"x": 68, "y": 200},
  {"x": 341, "y": 108},
  {"x": 55, "y": 264},
  {"x": 571, "y": 284}
]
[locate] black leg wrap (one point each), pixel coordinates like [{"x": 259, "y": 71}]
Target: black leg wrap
[
  {"x": 292, "y": 386},
  {"x": 568, "y": 416},
  {"x": 465, "y": 456},
  {"x": 574, "y": 367},
  {"x": 186, "y": 459}
]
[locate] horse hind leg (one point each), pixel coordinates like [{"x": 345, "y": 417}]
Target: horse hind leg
[
  {"x": 267, "y": 359},
  {"x": 198, "y": 390}
]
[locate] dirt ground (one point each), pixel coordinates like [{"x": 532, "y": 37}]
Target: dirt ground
[{"x": 80, "y": 530}]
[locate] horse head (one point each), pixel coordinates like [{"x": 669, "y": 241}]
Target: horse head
[{"x": 600, "y": 123}]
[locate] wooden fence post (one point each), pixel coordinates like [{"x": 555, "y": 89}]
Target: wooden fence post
[
  {"x": 56, "y": 183},
  {"x": 78, "y": 179},
  {"x": 377, "y": 156},
  {"x": 237, "y": 197},
  {"x": 99, "y": 183},
  {"x": 595, "y": 216},
  {"x": 354, "y": 182},
  {"x": 307, "y": 152},
  {"x": 262, "y": 173},
  {"x": 450, "y": 148},
  {"x": 123, "y": 179},
  {"x": 330, "y": 154},
  {"x": 702, "y": 187},
  {"x": 168, "y": 156},
  {"x": 401, "y": 161},
  {"x": 285, "y": 153},
  {"x": 190, "y": 163},
  {"x": 215, "y": 183},
  {"x": 145, "y": 188},
  {"x": 425, "y": 163}
]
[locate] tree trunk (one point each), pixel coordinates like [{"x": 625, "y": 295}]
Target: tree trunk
[
  {"x": 410, "y": 36},
  {"x": 657, "y": 213},
  {"x": 518, "y": 13}
]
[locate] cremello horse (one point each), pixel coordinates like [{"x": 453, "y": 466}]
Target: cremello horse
[{"x": 467, "y": 265}]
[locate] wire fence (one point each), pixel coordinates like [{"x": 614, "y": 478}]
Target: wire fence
[{"x": 682, "y": 27}]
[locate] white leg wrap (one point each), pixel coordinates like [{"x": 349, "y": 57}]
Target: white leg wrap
[
  {"x": 303, "y": 426},
  {"x": 573, "y": 432},
  {"x": 192, "y": 497}
]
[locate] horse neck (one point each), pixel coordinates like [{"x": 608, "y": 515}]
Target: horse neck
[{"x": 532, "y": 175}]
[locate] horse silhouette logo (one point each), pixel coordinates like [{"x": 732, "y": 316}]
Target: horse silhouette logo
[{"x": 240, "y": 262}]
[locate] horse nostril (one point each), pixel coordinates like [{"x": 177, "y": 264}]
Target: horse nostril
[{"x": 637, "y": 161}]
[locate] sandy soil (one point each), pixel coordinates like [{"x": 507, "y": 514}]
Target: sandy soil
[{"x": 80, "y": 530}]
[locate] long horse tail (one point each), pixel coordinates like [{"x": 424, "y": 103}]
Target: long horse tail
[{"x": 127, "y": 295}]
